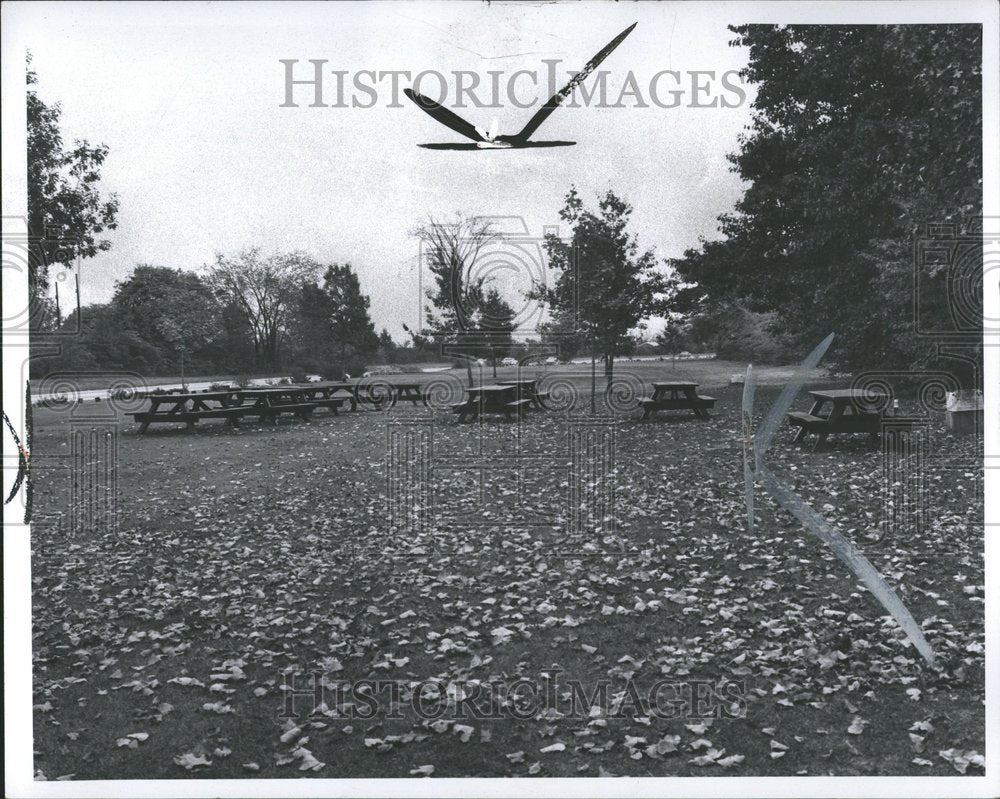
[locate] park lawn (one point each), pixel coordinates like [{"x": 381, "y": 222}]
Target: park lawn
[{"x": 254, "y": 553}]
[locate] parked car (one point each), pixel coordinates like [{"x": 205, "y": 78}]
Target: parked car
[
  {"x": 552, "y": 359},
  {"x": 313, "y": 379},
  {"x": 509, "y": 362}
]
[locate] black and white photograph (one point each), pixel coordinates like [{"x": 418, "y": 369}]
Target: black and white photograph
[{"x": 501, "y": 398}]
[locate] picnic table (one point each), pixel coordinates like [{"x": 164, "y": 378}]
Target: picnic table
[
  {"x": 852, "y": 411},
  {"x": 528, "y": 388},
  {"x": 327, "y": 388},
  {"x": 382, "y": 393},
  {"x": 190, "y": 408},
  {"x": 229, "y": 404},
  {"x": 269, "y": 403},
  {"x": 673, "y": 396},
  {"x": 495, "y": 398},
  {"x": 322, "y": 394}
]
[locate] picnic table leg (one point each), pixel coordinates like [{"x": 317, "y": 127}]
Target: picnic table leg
[
  {"x": 190, "y": 425},
  {"x": 800, "y": 434},
  {"x": 143, "y": 428},
  {"x": 692, "y": 395},
  {"x": 820, "y": 441}
]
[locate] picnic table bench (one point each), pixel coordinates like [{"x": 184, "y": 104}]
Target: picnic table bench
[
  {"x": 852, "y": 411},
  {"x": 528, "y": 389},
  {"x": 498, "y": 398},
  {"x": 674, "y": 396}
]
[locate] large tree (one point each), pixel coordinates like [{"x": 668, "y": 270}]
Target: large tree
[
  {"x": 172, "y": 309},
  {"x": 67, "y": 214},
  {"x": 605, "y": 286},
  {"x": 267, "y": 290},
  {"x": 861, "y": 136}
]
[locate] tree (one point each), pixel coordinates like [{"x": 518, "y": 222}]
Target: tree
[
  {"x": 66, "y": 212},
  {"x": 860, "y": 137},
  {"x": 332, "y": 329},
  {"x": 386, "y": 347},
  {"x": 467, "y": 313},
  {"x": 105, "y": 343},
  {"x": 605, "y": 285},
  {"x": 267, "y": 290},
  {"x": 353, "y": 330},
  {"x": 674, "y": 337},
  {"x": 170, "y": 309}
]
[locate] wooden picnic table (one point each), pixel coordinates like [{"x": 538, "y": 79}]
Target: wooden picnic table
[
  {"x": 494, "y": 398},
  {"x": 230, "y": 404},
  {"x": 852, "y": 411},
  {"x": 326, "y": 390},
  {"x": 382, "y": 393},
  {"x": 269, "y": 403},
  {"x": 676, "y": 395},
  {"x": 407, "y": 392},
  {"x": 324, "y": 395},
  {"x": 528, "y": 388},
  {"x": 191, "y": 407}
]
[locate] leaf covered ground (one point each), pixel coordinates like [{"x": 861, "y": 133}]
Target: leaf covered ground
[{"x": 245, "y": 562}]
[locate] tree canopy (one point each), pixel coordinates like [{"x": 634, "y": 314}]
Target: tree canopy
[
  {"x": 861, "y": 136},
  {"x": 604, "y": 286},
  {"x": 332, "y": 330}
]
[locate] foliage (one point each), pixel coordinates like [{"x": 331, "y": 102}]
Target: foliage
[
  {"x": 331, "y": 330},
  {"x": 604, "y": 287},
  {"x": 65, "y": 207},
  {"x": 170, "y": 309},
  {"x": 267, "y": 290},
  {"x": 734, "y": 332},
  {"x": 244, "y": 564},
  {"x": 860, "y": 137}
]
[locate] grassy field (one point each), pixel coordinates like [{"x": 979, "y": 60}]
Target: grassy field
[{"x": 243, "y": 561}]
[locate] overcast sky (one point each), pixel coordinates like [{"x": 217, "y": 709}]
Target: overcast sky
[{"x": 205, "y": 160}]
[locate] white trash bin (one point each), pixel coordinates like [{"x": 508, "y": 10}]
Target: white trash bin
[{"x": 964, "y": 411}]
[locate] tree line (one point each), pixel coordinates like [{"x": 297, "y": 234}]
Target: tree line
[{"x": 243, "y": 314}]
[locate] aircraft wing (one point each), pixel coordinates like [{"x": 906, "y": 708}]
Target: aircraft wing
[
  {"x": 556, "y": 100},
  {"x": 515, "y": 146},
  {"x": 447, "y": 118}
]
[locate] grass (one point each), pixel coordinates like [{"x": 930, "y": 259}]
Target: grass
[{"x": 271, "y": 547}]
